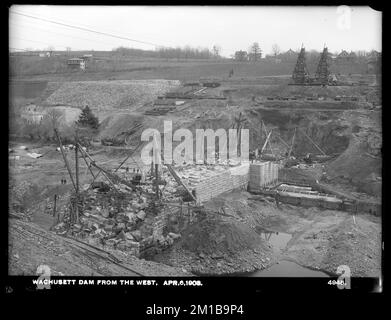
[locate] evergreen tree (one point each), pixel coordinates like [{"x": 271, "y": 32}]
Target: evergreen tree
[{"x": 88, "y": 119}]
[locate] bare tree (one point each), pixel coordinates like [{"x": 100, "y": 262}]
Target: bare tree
[
  {"x": 51, "y": 121},
  {"x": 255, "y": 52},
  {"x": 276, "y": 50},
  {"x": 241, "y": 55},
  {"x": 216, "y": 50},
  {"x": 54, "y": 117}
]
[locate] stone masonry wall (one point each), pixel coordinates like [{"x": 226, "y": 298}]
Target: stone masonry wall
[
  {"x": 263, "y": 174},
  {"x": 223, "y": 182}
]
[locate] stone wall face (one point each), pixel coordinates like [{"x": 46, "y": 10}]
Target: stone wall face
[
  {"x": 311, "y": 202},
  {"x": 228, "y": 180},
  {"x": 263, "y": 174}
]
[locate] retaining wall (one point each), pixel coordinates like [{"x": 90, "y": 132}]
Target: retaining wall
[
  {"x": 228, "y": 180},
  {"x": 331, "y": 204},
  {"x": 263, "y": 174}
]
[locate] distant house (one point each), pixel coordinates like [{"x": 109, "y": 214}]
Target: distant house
[
  {"x": 352, "y": 56},
  {"x": 290, "y": 55},
  {"x": 344, "y": 56},
  {"x": 290, "y": 52},
  {"x": 374, "y": 55},
  {"x": 87, "y": 57},
  {"x": 47, "y": 54},
  {"x": 76, "y": 63},
  {"x": 374, "y": 62},
  {"x": 241, "y": 55}
]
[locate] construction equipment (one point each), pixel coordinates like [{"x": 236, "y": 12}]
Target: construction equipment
[
  {"x": 322, "y": 72},
  {"x": 266, "y": 141},
  {"x": 179, "y": 181},
  {"x": 322, "y": 76},
  {"x": 300, "y": 72},
  {"x": 317, "y": 147},
  {"x": 238, "y": 125},
  {"x": 293, "y": 141}
]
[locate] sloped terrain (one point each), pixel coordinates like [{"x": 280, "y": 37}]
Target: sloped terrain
[
  {"x": 31, "y": 246},
  {"x": 219, "y": 245},
  {"x": 360, "y": 164},
  {"x": 109, "y": 94}
]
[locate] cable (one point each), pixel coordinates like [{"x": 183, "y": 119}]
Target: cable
[
  {"x": 39, "y": 42},
  {"x": 113, "y": 31},
  {"x": 62, "y": 34},
  {"x": 86, "y": 29}
]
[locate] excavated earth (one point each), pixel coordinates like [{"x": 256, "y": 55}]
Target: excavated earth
[
  {"x": 319, "y": 239},
  {"x": 229, "y": 241}
]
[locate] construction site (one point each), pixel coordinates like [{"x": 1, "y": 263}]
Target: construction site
[{"x": 307, "y": 199}]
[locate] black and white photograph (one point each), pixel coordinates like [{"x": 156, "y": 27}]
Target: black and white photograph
[{"x": 190, "y": 143}]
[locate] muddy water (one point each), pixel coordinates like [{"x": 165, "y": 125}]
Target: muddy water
[
  {"x": 278, "y": 240},
  {"x": 283, "y": 268}
]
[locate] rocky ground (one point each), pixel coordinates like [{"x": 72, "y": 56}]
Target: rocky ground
[
  {"x": 321, "y": 239},
  {"x": 219, "y": 245},
  {"x": 229, "y": 242},
  {"x": 31, "y": 246}
]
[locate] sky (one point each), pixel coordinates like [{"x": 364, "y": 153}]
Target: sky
[{"x": 231, "y": 28}]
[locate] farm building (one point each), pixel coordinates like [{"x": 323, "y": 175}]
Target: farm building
[
  {"x": 86, "y": 57},
  {"x": 76, "y": 63}
]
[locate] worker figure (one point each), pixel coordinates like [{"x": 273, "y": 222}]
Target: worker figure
[
  {"x": 127, "y": 169},
  {"x": 277, "y": 198}
]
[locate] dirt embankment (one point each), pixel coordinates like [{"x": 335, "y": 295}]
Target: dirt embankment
[
  {"x": 219, "y": 245},
  {"x": 109, "y": 94},
  {"x": 324, "y": 128},
  {"x": 353, "y": 135},
  {"x": 321, "y": 239},
  {"x": 360, "y": 165},
  {"x": 334, "y": 239}
]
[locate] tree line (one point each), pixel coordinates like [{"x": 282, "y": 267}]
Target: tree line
[
  {"x": 186, "y": 52},
  {"x": 254, "y": 54}
]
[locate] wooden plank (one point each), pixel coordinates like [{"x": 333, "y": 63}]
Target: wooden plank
[
  {"x": 65, "y": 158},
  {"x": 313, "y": 142},
  {"x": 179, "y": 181}
]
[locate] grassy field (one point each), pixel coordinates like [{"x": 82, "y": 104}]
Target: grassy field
[{"x": 128, "y": 68}]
